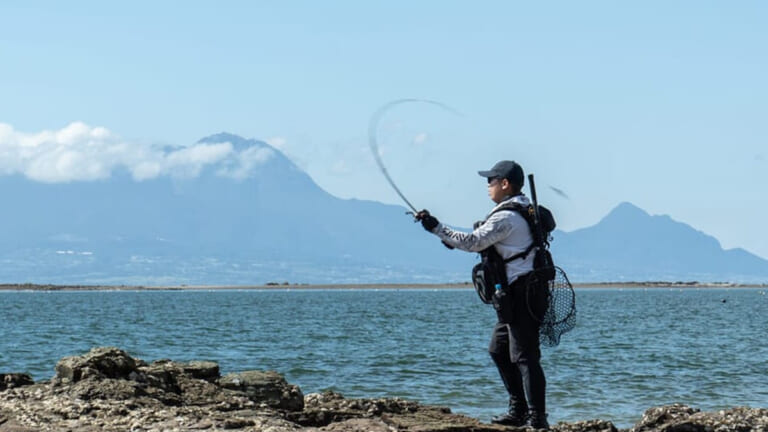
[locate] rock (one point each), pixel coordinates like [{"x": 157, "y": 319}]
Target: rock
[
  {"x": 13, "y": 380},
  {"x": 267, "y": 388},
  {"x": 682, "y": 418},
  {"x": 330, "y": 411},
  {"x": 106, "y": 390},
  {"x": 161, "y": 374},
  {"x": 206, "y": 370},
  {"x": 237, "y": 423},
  {"x": 586, "y": 426},
  {"x": 105, "y": 362},
  {"x": 657, "y": 417},
  {"x": 8, "y": 424},
  {"x": 358, "y": 424}
]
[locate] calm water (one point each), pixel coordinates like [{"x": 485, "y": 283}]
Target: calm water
[{"x": 632, "y": 348}]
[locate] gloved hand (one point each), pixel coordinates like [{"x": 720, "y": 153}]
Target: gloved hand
[{"x": 428, "y": 221}]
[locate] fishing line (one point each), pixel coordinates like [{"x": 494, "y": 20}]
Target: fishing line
[{"x": 373, "y": 126}]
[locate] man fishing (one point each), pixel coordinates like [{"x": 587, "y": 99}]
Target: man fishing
[{"x": 514, "y": 345}]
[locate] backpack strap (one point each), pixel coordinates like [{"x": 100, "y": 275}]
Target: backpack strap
[
  {"x": 522, "y": 211},
  {"x": 522, "y": 254}
]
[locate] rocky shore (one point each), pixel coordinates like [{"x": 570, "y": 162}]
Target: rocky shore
[{"x": 108, "y": 390}]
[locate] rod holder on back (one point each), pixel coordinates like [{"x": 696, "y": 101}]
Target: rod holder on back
[
  {"x": 539, "y": 235},
  {"x": 532, "y": 185}
]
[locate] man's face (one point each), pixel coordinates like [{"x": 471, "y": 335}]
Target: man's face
[{"x": 498, "y": 188}]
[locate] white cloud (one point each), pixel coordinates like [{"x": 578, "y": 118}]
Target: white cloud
[
  {"x": 79, "y": 152},
  {"x": 146, "y": 170},
  {"x": 189, "y": 161},
  {"x": 248, "y": 160}
]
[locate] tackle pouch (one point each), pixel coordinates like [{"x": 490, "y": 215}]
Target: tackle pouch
[{"x": 488, "y": 273}]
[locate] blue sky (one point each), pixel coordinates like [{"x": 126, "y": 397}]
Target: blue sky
[{"x": 662, "y": 104}]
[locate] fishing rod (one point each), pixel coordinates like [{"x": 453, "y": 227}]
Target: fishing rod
[
  {"x": 373, "y": 126},
  {"x": 539, "y": 236}
]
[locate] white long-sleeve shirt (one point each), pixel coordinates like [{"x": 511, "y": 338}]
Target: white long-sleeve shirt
[{"x": 507, "y": 231}]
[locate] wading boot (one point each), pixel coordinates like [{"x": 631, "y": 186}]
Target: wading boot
[
  {"x": 537, "y": 420},
  {"x": 516, "y": 416},
  {"x": 509, "y": 419}
]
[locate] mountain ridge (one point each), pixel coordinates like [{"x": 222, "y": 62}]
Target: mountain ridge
[
  {"x": 659, "y": 245},
  {"x": 253, "y": 216}
]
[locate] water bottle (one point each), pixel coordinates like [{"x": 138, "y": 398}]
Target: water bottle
[{"x": 497, "y": 297}]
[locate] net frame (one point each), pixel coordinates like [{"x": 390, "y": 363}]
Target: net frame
[{"x": 559, "y": 316}]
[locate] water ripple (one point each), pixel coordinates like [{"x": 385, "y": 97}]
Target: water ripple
[{"x": 632, "y": 349}]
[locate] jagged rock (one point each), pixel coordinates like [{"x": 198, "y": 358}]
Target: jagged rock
[
  {"x": 190, "y": 383},
  {"x": 321, "y": 409},
  {"x": 586, "y": 426},
  {"x": 13, "y": 380},
  {"x": 9, "y": 424},
  {"x": 103, "y": 362},
  {"x": 267, "y": 388},
  {"x": 682, "y": 418},
  {"x": 206, "y": 370},
  {"x": 356, "y": 425},
  {"x": 655, "y": 418},
  {"x": 330, "y": 411},
  {"x": 161, "y": 374},
  {"x": 106, "y": 390}
]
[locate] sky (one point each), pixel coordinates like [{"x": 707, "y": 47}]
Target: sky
[{"x": 662, "y": 104}]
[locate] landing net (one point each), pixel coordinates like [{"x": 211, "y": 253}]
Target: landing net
[{"x": 553, "y": 304}]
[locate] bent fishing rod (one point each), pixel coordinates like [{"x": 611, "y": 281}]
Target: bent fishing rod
[{"x": 373, "y": 126}]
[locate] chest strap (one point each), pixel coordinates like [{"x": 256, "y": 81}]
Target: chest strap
[{"x": 522, "y": 254}]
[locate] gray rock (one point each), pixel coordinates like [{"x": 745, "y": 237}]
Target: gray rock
[
  {"x": 206, "y": 370},
  {"x": 657, "y": 417},
  {"x": 682, "y": 418},
  {"x": 268, "y": 388},
  {"x": 107, "y": 391},
  {"x": 330, "y": 411},
  {"x": 13, "y": 380},
  {"x": 161, "y": 374},
  {"x": 98, "y": 363},
  {"x": 586, "y": 426}
]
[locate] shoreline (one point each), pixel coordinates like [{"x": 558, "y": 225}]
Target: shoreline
[
  {"x": 106, "y": 389},
  {"x": 348, "y": 286}
]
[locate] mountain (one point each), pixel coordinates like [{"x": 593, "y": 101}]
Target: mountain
[
  {"x": 628, "y": 244},
  {"x": 252, "y": 217},
  {"x": 273, "y": 225}
]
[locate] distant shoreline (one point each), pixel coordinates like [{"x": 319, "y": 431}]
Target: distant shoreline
[{"x": 347, "y": 286}]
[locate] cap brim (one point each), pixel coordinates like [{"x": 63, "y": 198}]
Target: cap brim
[{"x": 488, "y": 174}]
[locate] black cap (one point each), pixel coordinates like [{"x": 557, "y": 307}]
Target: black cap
[{"x": 509, "y": 170}]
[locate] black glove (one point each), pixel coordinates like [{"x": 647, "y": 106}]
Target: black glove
[{"x": 428, "y": 221}]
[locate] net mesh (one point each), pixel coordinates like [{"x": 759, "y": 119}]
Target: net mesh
[{"x": 553, "y": 304}]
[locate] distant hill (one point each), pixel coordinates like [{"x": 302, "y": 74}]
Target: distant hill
[
  {"x": 255, "y": 217},
  {"x": 628, "y": 244},
  {"x": 274, "y": 224}
]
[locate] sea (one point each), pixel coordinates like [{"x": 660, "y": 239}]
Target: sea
[{"x": 632, "y": 348}]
